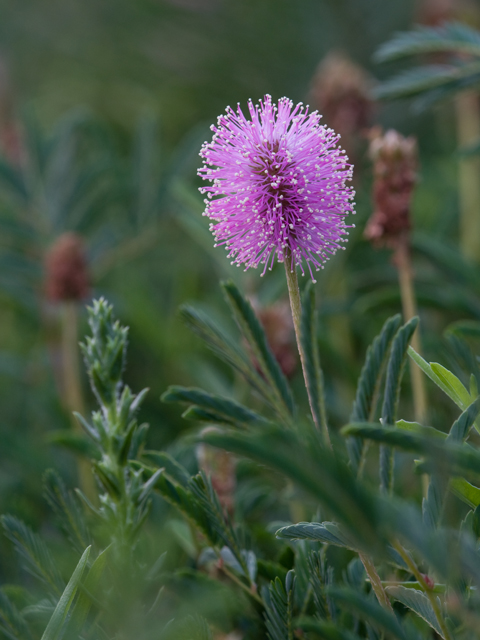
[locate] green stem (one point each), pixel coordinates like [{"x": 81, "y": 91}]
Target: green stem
[
  {"x": 376, "y": 582},
  {"x": 426, "y": 589},
  {"x": 409, "y": 305},
  {"x": 244, "y": 586},
  {"x": 296, "y": 307}
]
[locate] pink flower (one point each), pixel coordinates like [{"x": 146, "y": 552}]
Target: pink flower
[{"x": 279, "y": 186}]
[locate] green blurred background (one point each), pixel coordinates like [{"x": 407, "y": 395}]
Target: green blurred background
[{"x": 112, "y": 100}]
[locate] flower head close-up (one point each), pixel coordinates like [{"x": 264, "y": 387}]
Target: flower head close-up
[{"x": 279, "y": 186}]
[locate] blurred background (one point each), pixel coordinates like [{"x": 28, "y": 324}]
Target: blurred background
[{"x": 103, "y": 107}]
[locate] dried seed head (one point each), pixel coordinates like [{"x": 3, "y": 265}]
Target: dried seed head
[
  {"x": 435, "y": 12},
  {"x": 341, "y": 92},
  {"x": 66, "y": 273},
  {"x": 395, "y": 173}
]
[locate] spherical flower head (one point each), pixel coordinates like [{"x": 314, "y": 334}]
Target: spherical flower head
[{"x": 278, "y": 186}]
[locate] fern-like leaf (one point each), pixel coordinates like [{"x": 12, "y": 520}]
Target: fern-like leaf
[
  {"x": 368, "y": 387},
  {"x": 34, "y": 552},
  {"x": 395, "y": 368}
]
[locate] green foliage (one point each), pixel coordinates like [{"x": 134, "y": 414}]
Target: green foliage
[
  {"x": 327, "y": 532},
  {"x": 218, "y": 569},
  {"x": 368, "y": 388},
  {"x": 417, "y": 602},
  {"x": 210, "y": 408},
  {"x": 34, "y": 554},
  {"x": 55, "y": 624},
  {"x": 313, "y": 371},
  {"x": 12, "y": 624},
  {"x": 279, "y": 608},
  {"x": 68, "y": 511},
  {"x": 253, "y": 332},
  {"x": 432, "y": 82},
  {"x": 454, "y": 37}
]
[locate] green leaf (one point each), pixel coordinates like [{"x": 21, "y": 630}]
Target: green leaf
[
  {"x": 408, "y": 441},
  {"x": 324, "y": 630},
  {"x": 13, "y": 182},
  {"x": 218, "y": 408},
  {"x": 446, "y": 380},
  {"x": 313, "y": 371},
  {"x": 279, "y": 608},
  {"x": 207, "y": 499},
  {"x": 433, "y": 504},
  {"x": 457, "y": 391},
  {"x": 416, "y": 427},
  {"x": 461, "y": 427},
  {"x": 428, "y": 77},
  {"x": 448, "y": 259},
  {"x": 200, "y": 504},
  {"x": 254, "y": 333},
  {"x": 33, "y": 550},
  {"x": 12, "y": 623},
  {"x": 368, "y": 387},
  {"x": 55, "y": 624},
  {"x": 465, "y": 491},
  {"x": 67, "y": 510},
  {"x": 270, "y": 570},
  {"x": 395, "y": 368},
  {"x": 84, "y": 601},
  {"x": 453, "y": 37},
  {"x": 427, "y": 369},
  {"x": 369, "y": 610},
  {"x": 320, "y": 577},
  {"x": 466, "y": 328},
  {"x": 225, "y": 348},
  {"x": 74, "y": 442},
  {"x": 417, "y": 602},
  {"x": 191, "y": 628},
  {"x": 312, "y": 466},
  {"x": 173, "y": 468},
  {"x": 327, "y": 532}
]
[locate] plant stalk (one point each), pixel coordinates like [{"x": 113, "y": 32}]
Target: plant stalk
[
  {"x": 296, "y": 307},
  {"x": 376, "y": 582},
  {"x": 404, "y": 268},
  {"x": 74, "y": 399},
  {"x": 426, "y": 589}
]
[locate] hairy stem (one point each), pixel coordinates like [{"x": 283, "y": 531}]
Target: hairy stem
[
  {"x": 425, "y": 587},
  {"x": 296, "y": 307}
]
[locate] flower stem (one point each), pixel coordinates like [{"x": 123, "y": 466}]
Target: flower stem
[
  {"x": 404, "y": 267},
  {"x": 72, "y": 385},
  {"x": 468, "y": 128},
  {"x": 296, "y": 307},
  {"x": 426, "y": 589}
]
